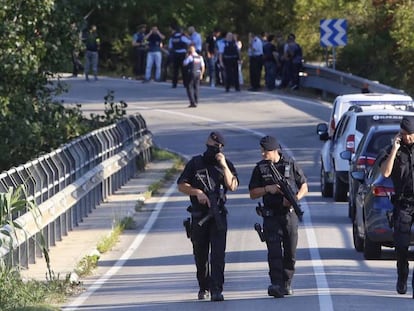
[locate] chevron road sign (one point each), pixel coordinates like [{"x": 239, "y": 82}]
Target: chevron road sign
[{"x": 333, "y": 32}]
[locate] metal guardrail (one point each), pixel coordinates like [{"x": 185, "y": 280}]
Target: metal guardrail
[
  {"x": 337, "y": 83},
  {"x": 68, "y": 183}
]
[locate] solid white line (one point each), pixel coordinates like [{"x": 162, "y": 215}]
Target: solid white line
[
  {"x": 324, "y": 294},
  {"x": 125, "y": 256}
]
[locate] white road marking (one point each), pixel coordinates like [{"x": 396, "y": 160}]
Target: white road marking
[{"x": 125, "y": 256}]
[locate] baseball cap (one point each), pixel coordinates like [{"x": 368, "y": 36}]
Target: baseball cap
[
  {"x": 269, "y": 143},
  {"x": 217, "y": 137},
  {"x": 407, "y": 124}
]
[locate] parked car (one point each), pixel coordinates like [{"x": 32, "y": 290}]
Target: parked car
[
  {"x": 342, "y": 103},
  {"x": 377, "y": 138},
  {"x": 351, "y": 127},
  {"x": 370, "y": 226}
]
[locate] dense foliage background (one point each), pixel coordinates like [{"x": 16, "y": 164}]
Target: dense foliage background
[{"x": 37, "y": 39}]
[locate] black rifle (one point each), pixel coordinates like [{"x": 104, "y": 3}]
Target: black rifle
[
  {"x": 214, "y": 211},
  {"x": 286, "y": 189}
]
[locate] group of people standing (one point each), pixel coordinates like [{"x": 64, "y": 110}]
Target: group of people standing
[
  {"x": 220, "y": 53},
  {"x": 282, "y": 61},
  {"x": 221, "y": 58}
]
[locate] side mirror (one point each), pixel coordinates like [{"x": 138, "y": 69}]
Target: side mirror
[
  {"x": 322, "y": 131},
  {"x": 358, "y": 175},
  {"x": 321, "y": 128},
  {"x": 346, "y": 155}
]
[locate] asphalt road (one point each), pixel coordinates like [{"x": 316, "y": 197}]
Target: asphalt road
[{"x": 154, "y": 269}]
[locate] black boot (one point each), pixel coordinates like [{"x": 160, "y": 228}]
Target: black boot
[
  {"x": 402, "y": 285},
  {"x": 402, "y": 281},
  {"x": 276, "y": 291}
]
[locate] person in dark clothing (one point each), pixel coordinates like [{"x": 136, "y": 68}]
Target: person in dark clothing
[
  {"x": 398, "y": 164},
  {"x": 280, "y": 223},
  {"x": 140, "y": 50},
  {"x": 178, "y": 45},
  {"x": 292, "y": 63},
  {"x": 229, "y": 56},
  {"x": 92, "y": 44},
  {"x": 211, "y": 56},
  {"x": 269, "y": 61},
  {"x": 194, "y": 65},
  {"x": 208, "y": 177}
]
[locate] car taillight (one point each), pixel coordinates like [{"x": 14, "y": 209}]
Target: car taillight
[
  {"x": 364, "y": 162},
  {"x": 333, "y": 124},
  {"x": 380, "y": 191},
  {"x": 350, "y": 143}
]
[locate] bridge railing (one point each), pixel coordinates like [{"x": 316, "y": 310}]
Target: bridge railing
[{"x": 68, "y": 183}]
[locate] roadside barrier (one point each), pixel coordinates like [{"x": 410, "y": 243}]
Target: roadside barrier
[
  {"x": 337, "y": 83},
  {"x": 68, "y": 183}
]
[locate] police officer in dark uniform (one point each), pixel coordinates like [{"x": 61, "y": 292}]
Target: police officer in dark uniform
[
  {"x": 280, "y": 223},
  {"x": 178, "y": 45},
  {"x": 194, "y": 65},
  {"x": 399, "y": 165},
  {"x": 206, "y": 178},
  {"x": 229, "y": 56}
]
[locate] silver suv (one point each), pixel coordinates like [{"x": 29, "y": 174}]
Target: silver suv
[{"x": 351, "y": 127}]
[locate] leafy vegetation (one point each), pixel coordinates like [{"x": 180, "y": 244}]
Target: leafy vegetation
[{"x": 15, "y": 292}]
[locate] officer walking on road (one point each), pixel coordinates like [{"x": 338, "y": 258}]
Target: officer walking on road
[
  {"x": 206, "y": 179},
  {"x": 399, "y": 165},
  {"x": 194, "y": 72},
  {"x": 280, "y": 223}
]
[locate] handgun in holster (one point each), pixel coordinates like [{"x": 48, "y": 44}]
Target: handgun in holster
[
  {"x": 187, "y": 226},
  {"x": 259, "y": 231}
]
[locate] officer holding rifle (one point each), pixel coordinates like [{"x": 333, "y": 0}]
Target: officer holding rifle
[
  {"x": 206, "y": 179},
  {"x": 280, "y": 211}
]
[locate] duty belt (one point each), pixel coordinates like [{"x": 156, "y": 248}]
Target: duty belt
[{"x": 268, "y": 212}]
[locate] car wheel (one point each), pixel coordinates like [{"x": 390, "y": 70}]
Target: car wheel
[
  {"x": 340, "y": 190},
  {"x": 326, "y": 187},
  {"x": 372, "y": 250},
  {"x": 358, "y": 241}
]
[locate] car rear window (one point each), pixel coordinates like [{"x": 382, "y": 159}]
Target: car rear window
[
  {"x": 402, "y": 105},
  {"x": 364, "y": 123},
  {"x": 379, "y": 141}
]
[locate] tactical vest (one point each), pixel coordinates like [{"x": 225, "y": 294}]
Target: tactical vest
[
  {"x": 230, "y": 50},
  {"x": 177, "y": 42},
  {"x": 196, "y": 65},
  {"x": 208, "y": 176},
  {"x": 284, "y": 166}
]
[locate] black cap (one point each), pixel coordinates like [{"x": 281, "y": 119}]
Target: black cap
[
  {"x": 407, "y": 124},
  {"x": 217, "y": 137},
  {"x": 269, "y": 143}
]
